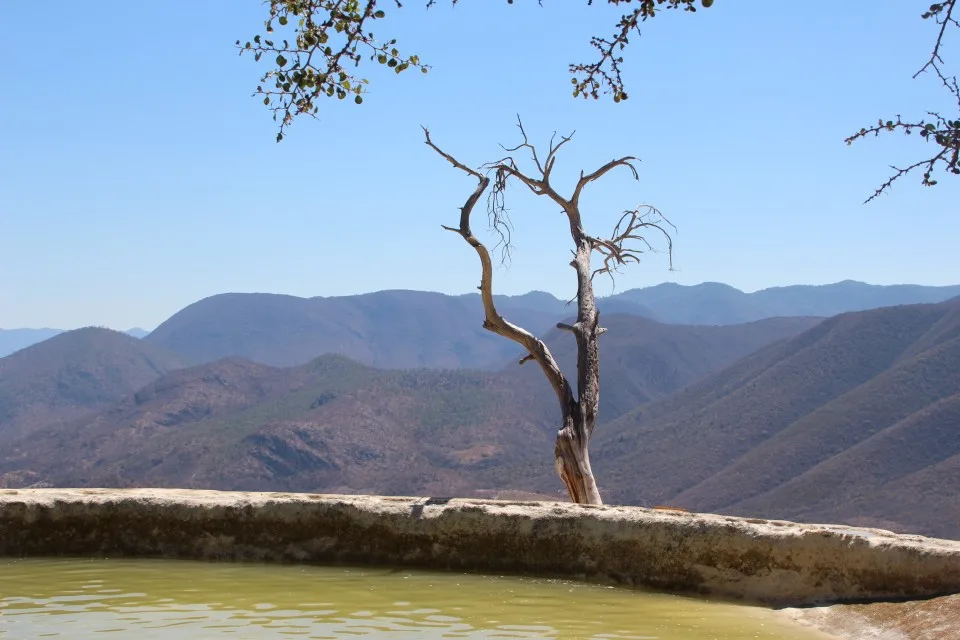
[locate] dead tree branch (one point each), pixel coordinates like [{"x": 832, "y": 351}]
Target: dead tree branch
[
  {"x": 493, "y": 321},
  {"x": 627, "y": 242}
]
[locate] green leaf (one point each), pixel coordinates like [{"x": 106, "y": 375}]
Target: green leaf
[
  {"x": 283, "y": 20},
  {"x": 281, "y": 60},
  {"x": 358, "y": 100}
]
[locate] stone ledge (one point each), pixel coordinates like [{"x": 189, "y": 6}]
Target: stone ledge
[{"x": 767, "y": 562}]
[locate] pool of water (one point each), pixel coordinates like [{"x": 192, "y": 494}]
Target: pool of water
[{"x": 145, "y": 599}]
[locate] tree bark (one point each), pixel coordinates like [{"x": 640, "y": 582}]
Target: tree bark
[{"x": 572, "y": 450}]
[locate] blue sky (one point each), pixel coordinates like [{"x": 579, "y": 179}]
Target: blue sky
[{"x": 138, "y": 175}]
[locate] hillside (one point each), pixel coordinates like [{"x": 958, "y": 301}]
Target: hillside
[
  {"x": 336, "y": 425},
  {"x": 388, "y": 329},
  {"x": 331, "y": 425},
  {"x": 854, "y": 420},
  {"x": 74, "y": 373},
  {"x": 642, "y": 360}
]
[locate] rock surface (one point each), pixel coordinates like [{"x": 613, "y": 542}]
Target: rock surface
[
  {"x": 934, "y": 619},
  {"x": 770, "y": 562}
]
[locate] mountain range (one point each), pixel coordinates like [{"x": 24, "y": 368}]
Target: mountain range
[
  {"x": 402, "y": 329},
  {"x": 289, "y": 418},
  {"x": 853, "y": 418}
]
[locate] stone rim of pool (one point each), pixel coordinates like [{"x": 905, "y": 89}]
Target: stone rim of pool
[{"x": 769, "y": 562}]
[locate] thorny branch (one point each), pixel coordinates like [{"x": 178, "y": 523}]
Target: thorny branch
[
  {"x": 941, "y": 130},
  {"x": 590, "y": 79}
]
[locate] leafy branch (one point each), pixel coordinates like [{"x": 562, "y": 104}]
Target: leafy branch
[
  {"x": 326, "y": 38},
  {"x": 942, "y": 130},
  {"x": 316, "y": 45}
]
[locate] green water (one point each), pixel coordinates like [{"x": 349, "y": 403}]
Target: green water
[{"x": 146, "y": 599}]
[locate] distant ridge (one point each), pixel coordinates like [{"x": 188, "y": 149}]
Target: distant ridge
[
  {"x": 387, "y": 329},
  {"x": 12, "y": 340},
  {"x": 715, "y": 303},
  {"x": 400, "y": 329}
]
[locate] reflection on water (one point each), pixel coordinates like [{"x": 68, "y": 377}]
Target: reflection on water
[{"x": 146, "y": 599}]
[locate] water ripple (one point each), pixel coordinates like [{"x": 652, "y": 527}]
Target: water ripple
[{"x": 167, "y": 600}]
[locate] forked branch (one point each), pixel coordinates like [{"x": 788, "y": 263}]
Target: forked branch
[{"x": 493, "y": 321}]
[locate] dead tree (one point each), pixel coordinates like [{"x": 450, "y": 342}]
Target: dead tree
[{"x": 626, "y": 244}]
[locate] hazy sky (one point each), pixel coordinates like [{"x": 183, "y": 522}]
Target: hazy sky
[{"x": 138, "y": 175}]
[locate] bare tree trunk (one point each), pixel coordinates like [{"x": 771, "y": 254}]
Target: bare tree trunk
[
  {"x": 578, "y": 413},
  {"x": 573, "y": 463},
  {"x": 573, "y": 440}
]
